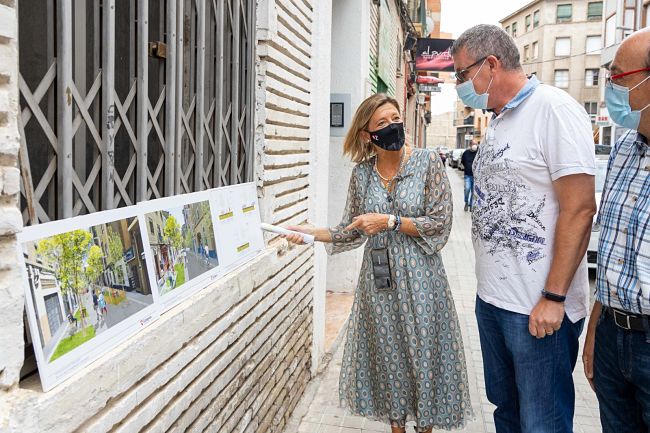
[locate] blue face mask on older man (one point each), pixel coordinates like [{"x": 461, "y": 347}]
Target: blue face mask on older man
[
  {"x": 617, "y": 99},
  {"x": 467, "y": 92}
]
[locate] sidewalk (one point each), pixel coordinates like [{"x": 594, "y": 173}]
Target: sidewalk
[{"x": 323, "y": 414}]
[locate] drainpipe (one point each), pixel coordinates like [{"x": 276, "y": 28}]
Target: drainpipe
[{"x": 423, "y": 15}]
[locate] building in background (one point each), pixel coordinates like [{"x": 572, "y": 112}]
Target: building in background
[
  {"x": 124, "y": 269},
  {"x": 426, "y": 18},
  {"x": 470, "y": 124},
  {"x": 135, "y": 259},
  {"x": 620, "y": 19},
  {"x": 51, "y": 305},
  {"x": 160, "y": 250},
  {"x": 441, "y": 132},
  {"x": 560, "y": 42},
  {"x": 199, "y": 223}
]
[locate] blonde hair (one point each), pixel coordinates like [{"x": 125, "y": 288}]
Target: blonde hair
[{"x": 354, "y": 146}]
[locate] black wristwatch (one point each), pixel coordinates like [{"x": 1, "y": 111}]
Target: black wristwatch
[{"x": 553, "y": 296}]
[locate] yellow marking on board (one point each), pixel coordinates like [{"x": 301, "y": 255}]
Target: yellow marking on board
[
  {"x": 243, "y": 247},
  {"x": 250, "y": 208},
  {"x": 225, "y": 216}
]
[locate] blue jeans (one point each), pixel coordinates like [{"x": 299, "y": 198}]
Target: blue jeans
[
  {"x": 469, "y": 190},
  {"x": 529, "y": 380},
  {"x": 622, "y": 378}
]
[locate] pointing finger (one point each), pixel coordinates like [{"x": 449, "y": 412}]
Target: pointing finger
[{"x": 354, "y": 225}]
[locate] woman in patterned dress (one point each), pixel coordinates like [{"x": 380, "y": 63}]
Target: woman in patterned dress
[{"x": 403, "y": 358}]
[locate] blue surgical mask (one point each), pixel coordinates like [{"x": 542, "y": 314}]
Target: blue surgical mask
[
  {"x": 467, "y": 92},
  {"x": 617, "y": 99}
]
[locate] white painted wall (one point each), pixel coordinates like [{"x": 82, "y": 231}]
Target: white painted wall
[
  {"x": 349, "y": 67},
  {"x": 319, "y": 185}
]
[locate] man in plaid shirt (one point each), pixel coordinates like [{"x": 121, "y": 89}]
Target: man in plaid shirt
[{"x": 617, "y": 349}]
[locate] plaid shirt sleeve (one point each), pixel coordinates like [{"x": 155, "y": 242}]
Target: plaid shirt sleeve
[{"x": 623, "y": 276}]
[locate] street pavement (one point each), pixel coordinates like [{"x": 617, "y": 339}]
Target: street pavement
[
  {"x": 196, "y": 264},
  {"x": 116, "y": 313},
  {"x": 322, "y": 414},
  {"x": 133, "y": 303}
]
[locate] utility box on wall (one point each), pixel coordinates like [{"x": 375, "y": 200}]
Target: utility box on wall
[
  {"x": 337, "y": 111},
  {"x": 340, "y": 109}
]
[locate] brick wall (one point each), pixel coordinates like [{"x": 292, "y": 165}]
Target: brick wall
[{"x": 235, "y": 356}]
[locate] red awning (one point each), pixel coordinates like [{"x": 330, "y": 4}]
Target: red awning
[{"x": 423, "y": 79}]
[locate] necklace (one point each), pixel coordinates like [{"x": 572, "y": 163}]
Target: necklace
[{"x": 388, "y": 181}]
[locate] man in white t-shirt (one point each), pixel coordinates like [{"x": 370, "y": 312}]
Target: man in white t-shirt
[{"x": 531, "y": 223}]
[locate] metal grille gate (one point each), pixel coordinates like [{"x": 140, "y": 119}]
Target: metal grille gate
[{"x": 128, "y": 100}]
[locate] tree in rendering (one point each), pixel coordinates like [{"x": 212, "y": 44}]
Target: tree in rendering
[{"x": 66, "y": 253}]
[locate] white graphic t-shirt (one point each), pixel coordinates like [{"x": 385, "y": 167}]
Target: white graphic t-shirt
[{"x": 541, "y": 136}]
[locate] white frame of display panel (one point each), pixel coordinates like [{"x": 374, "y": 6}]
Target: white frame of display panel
[
  {"x": 53, "y": 373},
  {"x": 245, "y": 221}
]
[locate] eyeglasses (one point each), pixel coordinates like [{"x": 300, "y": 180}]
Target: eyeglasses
[
  {"x": 615, "y": 77},
  {"x": 460, "y": 74}
]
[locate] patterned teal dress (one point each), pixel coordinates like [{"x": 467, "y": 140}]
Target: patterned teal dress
[{"x": 403, "y": 358}]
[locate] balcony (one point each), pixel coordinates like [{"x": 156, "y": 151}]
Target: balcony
[{"x": 467, "y": 121}]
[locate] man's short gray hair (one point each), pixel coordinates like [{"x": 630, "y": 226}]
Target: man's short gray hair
[{"x": 486, "y": 39}]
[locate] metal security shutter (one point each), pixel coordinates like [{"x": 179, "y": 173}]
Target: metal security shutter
[
  {"x": 53, "y": 310},
  {"x": 110, "y": 107}
]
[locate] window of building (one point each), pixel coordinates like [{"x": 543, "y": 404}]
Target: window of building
[
  {"x": 591, "y": 77},
  {"x": 595, "y": 11},
  {"x": 593, "y": 45},
  {"x": 508, "y": 29},
  {"x": 607, "y": 135},
  {"x": 564, "y": 13},
  {"x": 514, "y": 29},
  {"x": 526, "y": 53},
  {"x": 536, "y": 15},
  {"x": 562, "y": 78},
  {"x": 535, "y": 50},
  {"x": 592, "y": 110},
  {"x": 562, "y": 47},
  {"x": 528, "y": 23}
]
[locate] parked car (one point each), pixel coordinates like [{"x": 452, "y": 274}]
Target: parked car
[
  {"x": 603, "y": 149},
  {"x": 592, "y": 249},
  {"x": 455, "y": 156}
]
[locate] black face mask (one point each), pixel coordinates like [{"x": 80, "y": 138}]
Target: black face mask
[{"x": 390, "y": 137}]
